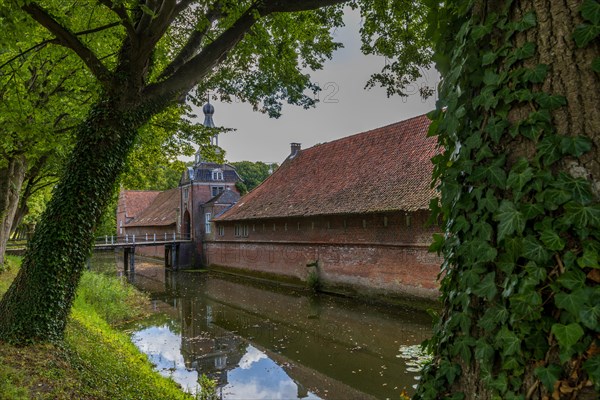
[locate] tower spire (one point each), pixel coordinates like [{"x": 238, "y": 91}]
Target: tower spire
[{"x": 209, "y": 110}]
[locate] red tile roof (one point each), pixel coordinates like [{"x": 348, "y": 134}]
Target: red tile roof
[
  {"x": 135, "y": 201},
  {"x": 385, "y": 169},
  {"x": 161, "y": 212}
]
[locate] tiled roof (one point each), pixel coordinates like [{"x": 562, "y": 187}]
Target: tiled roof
[
  {"x": 385, "y": 169},
  {"x": 161, "y": 212},
  {"x": 225, "y": 197},
  {"x": 135, "y": 201}
]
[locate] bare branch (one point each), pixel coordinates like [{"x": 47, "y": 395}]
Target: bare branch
[{"x": 70, "y": 40}]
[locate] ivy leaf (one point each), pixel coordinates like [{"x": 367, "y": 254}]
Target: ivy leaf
[
  {"x": 575, "y": 145},
  {"x": 551, "y": 240},
  {"x": 548, "y": 375},
  {"x": 510, "y": 220},
  {"x": 487, "y": 287},
  {"x": 508, "y": 342},
  {"x": 590, "y": 10},
  {"x": 590, "y": 316},
  {"x": 585, "y": 33},
  {"x": 596, "y": 65},
  {"x": 572, "y": 279},
  {"x": 550, "y": 102},
  {"x": 484, "y": 352},
  {"x": 578, "y": 187},
  {"x": 589, "y": 259},
  {"x": 592, "y": 367},
  {"x": 528, "y": 21},
  {"x": 525, "y": 51},
  {"x": 533, "y": 250},
  {"x": 572, "y": 302},
  {"x": 536, "y": 74},
  {"x": 582, "y": 216},
  {"x": 567, "y": 335},
  {"x": 462, "y": 347},
  {"x": 488, "y": 58}
]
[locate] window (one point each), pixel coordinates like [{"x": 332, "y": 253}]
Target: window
[
  {"x": 215, "y": 190},
  {"x": 120, "y": 227},
  {"x": 221, "y": 230},
  {"x": 207, "y": 222},
  {"x": 217, "y": 175},
  {"x": 185, "y": 194},
  {"x": 240, "y": 230}
]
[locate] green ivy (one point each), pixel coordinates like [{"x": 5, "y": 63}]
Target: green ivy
[{"x": 521, "y": 238}]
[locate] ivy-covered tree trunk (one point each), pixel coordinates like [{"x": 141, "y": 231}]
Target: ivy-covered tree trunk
[
  {"x": 520, "y": 191},
  {"x": 11, "y": 180},
  {"x": 37, "y": 305}
]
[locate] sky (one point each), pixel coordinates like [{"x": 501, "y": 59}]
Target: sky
[{"x": 345, "y": 107}]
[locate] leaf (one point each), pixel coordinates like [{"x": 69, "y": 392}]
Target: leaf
[
  {"x": 590, "y": 316},
  {"x": 525, "y": 51},
  {"x": 585, "y": 33},
  {"x": 550, "y": 102},
  {"x": 589, "y": 259},
  {"x": 488, "y": 58},
  {"x": 590, "y": 10},
  {"x": 548, "y": 375},
  {"x": 596, "y": 65},
  {"x": 510, "y": 220},
  {"x": 582, "y": 216},
  {"x": 567, "y": 335},
  {"x": 551, "y": 240},
  {"x": 572, "y": 302},
  {"x": 487, "y": 287},
  {"x": 517, "y": 180},
  {"x": 508, "y": 342},
  {"x": 592, "y": 367},
  {"x": 578, "y": 187},
  {"x": 572, "y": 279},
  {"x": 536, "y": 74},
  {"x": 528, "y": 21},
  {"x": 533, "y": 250},
  {"x": 575, "y": 145}
]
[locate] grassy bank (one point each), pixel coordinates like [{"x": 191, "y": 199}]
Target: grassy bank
[{"x": 95, "y": 361}]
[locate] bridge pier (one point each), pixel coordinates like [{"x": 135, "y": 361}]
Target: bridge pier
[
  {"x": 129, "y": 259},
  {"x": 172, "y": 256}
]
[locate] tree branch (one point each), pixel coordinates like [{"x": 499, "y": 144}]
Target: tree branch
[
  {"x": 200, "y": 65},
  {"x": 194, "y": 41},
  {"x": 69, "y": 40},
  {"x": 274, "y": 6},
  {"x": 121, "y": 12}
]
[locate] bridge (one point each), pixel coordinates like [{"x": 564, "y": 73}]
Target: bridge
[{"x": 128, "y": 243}]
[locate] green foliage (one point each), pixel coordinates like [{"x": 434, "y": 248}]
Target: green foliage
[
  {"x": 110, "y": 297},
  {"x": 253, "y": 173},
  {"x": 208, "y": 389},
  {"x": 521, "y": 237}
]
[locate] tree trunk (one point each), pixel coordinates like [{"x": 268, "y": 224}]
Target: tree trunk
[
  {"x": 11, "y": 180},
  {"x": 520, "y": 193},
  {"x": 36, "y": 306}
]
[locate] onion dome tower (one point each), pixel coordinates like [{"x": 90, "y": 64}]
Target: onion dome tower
[{"x": 208, "y": 111}]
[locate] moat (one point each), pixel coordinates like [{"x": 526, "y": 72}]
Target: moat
[{"x": 263, "y": 341}]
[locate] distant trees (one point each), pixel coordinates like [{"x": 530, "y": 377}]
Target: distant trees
[{"x": 253, "y": 173}]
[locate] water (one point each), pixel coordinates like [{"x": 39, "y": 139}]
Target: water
[{"x": 262, "y": 341}]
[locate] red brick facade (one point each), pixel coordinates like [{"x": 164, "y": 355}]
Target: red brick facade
[
  {"x": 353, "y": 211},
  {"x": 375, "y": 254}
]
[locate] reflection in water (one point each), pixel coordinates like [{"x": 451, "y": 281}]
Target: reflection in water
[{"x": 266, "y": 342}]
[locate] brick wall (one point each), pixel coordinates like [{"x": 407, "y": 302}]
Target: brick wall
[{"x": 379, "y": 254}]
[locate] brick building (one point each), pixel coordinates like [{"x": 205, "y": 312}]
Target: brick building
[{"x": 353, "y": 211}]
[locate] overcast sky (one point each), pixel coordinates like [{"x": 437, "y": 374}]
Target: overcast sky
[{"x": 345, "y": 107}]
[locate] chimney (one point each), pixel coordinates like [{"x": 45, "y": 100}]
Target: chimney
[{"x": 295, "y": 149}]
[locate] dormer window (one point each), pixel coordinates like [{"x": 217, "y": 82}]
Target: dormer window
[{"x": 217, "y": 175}]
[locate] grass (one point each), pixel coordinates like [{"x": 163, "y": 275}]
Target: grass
[{"x": 95, "y": 360}]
